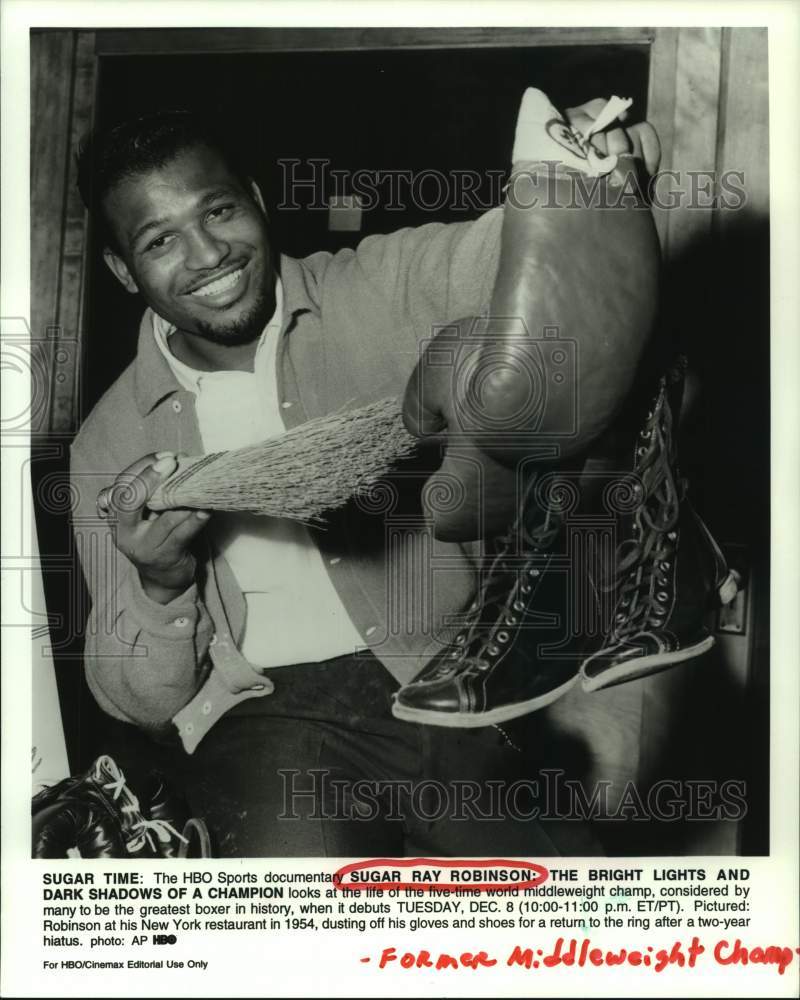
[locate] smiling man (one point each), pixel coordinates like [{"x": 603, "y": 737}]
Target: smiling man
[
  {"x": 193, "y": 238},
  {"x": 260, "y": 655}
]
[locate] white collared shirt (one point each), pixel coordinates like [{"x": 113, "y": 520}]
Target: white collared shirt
[{"x": 294, "y": 614}]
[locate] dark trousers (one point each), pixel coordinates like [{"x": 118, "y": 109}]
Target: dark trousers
[{"x": 322, "y": 768}]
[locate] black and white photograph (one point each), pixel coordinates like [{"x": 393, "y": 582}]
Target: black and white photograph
[
  {"x": 399, "y": 447},
  {"x": 401, "y": 472},
  {"x": 401, "y": 465}
]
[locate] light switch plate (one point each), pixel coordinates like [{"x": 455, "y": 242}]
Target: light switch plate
[
  {"x": 345, "y": 213},
  {"x": 732, "y": 618}
]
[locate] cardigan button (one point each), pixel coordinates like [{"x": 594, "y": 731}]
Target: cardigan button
[{"x": 177, "y": 406}]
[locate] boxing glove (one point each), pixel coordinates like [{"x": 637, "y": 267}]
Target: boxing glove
[
  {"x": 96, "y": 814},
  {"x": 70, "y": 826},
  {"x": 169, "y": 810},
  {"x": 469, "y": 493},
  {"x": 575, "y": 299},
  {"x": 539, "y": 378}
]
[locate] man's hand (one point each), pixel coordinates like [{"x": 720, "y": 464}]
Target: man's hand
[
  {"x": 590, "y": 139},
  {"x": 158, "y": 544},
  {"x": 639, "y": 141}
]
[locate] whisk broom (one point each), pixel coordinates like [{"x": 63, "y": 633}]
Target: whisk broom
[{"x": 311, "y": 469}]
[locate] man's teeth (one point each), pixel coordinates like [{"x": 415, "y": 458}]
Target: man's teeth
[{"x": 220, "y": 285}]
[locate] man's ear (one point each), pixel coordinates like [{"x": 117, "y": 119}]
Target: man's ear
[
  {"x": 255, "y": 191},
  {"x": 119, "y": 269}
]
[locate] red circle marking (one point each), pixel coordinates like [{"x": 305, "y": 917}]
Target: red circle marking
[{"x": 539, "y": 874}]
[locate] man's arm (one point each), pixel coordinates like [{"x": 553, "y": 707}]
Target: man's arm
[
  {"x": 437, "y": 273},
  {"x": 146, "y": 648}
]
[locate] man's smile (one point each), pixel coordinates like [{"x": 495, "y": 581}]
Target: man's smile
[{"x": 221, "y": 290}]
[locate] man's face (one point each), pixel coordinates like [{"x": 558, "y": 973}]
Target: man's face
[{"x": 194, "y": 242}]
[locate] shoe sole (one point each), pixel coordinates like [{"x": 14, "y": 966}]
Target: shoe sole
[
  {"x": 475, "y": 720},
  {"x": 636, "y": 669}
]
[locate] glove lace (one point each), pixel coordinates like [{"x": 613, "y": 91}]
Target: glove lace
[
  {"x": 109, "y": 775},
  {"x": 164, "y": 830}
]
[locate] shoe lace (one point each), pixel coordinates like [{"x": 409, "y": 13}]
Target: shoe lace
[
  {"x": 500, "y": 593},
  {"x": 112, "y": 779},
  {"x": 642, "y": 558},
  {"x": 164, "y": 830}
]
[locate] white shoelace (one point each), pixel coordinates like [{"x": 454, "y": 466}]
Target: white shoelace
[{"x": 105, "y": 767}]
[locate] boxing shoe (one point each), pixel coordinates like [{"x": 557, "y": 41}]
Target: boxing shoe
[
  {"x": 510, "y": 657},
  {"x": 666, "y": 574},
  {"x": 669, "y": 571}
]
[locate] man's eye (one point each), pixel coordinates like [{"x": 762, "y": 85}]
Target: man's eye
[
  {"x": 220, "y": 212},
  {"x": 159, "y": 242}
]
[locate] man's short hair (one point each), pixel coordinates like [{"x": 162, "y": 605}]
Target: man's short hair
[{"x": 107, "y": 156}]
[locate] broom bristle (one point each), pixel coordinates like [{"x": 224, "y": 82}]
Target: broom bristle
[{"x": 301, "y": 474}]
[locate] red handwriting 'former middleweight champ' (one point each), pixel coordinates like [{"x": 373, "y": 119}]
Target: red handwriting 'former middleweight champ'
[{"x": 584, "y": 954}]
